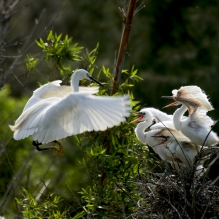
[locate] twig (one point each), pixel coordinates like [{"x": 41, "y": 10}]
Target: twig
[
  {"x": 124, "y": 191},
  {"x": 123, "y": 44},
  {"x": 44, "y": 187},
  {"x": 208, "y": 134},
  {"x": 173, "y": 207},
  {"x": 119, "y": 65},
  {"x": 175, "y": 140}
]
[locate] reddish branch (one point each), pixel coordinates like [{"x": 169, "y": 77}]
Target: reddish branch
[{"x": 123, "y": 44}]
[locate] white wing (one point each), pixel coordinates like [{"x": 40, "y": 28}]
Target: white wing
[
  {"x": 55, "y": 118},
  {"x": 202, "y": 119},
  {"x": 53, "y": 89}
]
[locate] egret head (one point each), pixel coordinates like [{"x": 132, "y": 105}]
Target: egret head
[
  {"x": 143, "y": 115},
  {"x": 160, "y": 139},
  {"x": 83, "y": 74},
  {"x": 192, "y": 96},
  {"x": 169, "y": 135}
]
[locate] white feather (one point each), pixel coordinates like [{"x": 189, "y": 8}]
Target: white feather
[
  {"x": 54, "y": 112},
  {"x": 53, "y": 89}
]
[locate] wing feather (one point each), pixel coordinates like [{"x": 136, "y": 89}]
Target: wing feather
[
  {"x": 56, "y": 118},
  {"x": 53, "y": 89}
]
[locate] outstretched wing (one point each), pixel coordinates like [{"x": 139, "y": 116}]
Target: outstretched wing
[
  {"x": 55, "y": 118},
  {"x": 53, "y": 89}
]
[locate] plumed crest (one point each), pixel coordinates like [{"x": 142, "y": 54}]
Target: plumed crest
[
  {"x": 195, "y": 95},
  {"x": 174, "y": 92}
]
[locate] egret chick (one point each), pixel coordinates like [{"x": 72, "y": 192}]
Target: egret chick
[
  {"x": 155, "y": 138},
  {"x": 197, "y": 127}
]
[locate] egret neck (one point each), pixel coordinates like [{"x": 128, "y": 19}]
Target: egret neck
[
  {"x": 177, "y": 116},
  {"x": 140, "y": 129},
  {"x": 75, "y": 78}
]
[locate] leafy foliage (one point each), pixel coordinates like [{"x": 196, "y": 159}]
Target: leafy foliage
[
  {"x": 177, "y": 44},
  {"x": 31, "y": 63},
  {"x": 111, "y": 158},
  {"x": 57, "y": 49},
  {"x": 36, "y": 210}
]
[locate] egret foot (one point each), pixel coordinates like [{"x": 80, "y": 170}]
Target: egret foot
[
  {"x": 37, "y": 144},
  {"x": 57, "y": 150}
]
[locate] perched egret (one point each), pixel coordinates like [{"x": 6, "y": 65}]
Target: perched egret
[
  {"x": 177, "y": 150},
  {"x": 184, "y": 149},
  {"x": 197, "y": 127},
  {"x": 55, "y": 112},
  {"x": 147, "y": 116},
  {"x": 166, "y": 142},
  {"x": 157, "y": 139}
]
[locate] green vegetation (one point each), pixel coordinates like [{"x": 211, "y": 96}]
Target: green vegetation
[{"x": 103, "y": 174}]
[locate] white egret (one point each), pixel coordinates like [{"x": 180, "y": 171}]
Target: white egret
[
  {"x": 53, "y": 89},
  {"x": 156, "y": 138},
  {"x": 184, "y": 149},
  {"x": 150, "y": 115},
  {"x": 55, "y": 112},
  {"x": 197, "y": 127},
  {"x": 165, "y": 145},
  {"x": 181, "y": 151}
]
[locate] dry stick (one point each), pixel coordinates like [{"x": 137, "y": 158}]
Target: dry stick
[
  {"x": 208, "y": 134},
  {"x": 173, "y": 207},
  {"x": 14, "y": 183},
  {"x": 123, "y": 44},
  {"x": 197, "y": 157}
]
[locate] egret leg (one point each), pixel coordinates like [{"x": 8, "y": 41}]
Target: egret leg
[
  {"x": 37, "y": 144},
  {"x": 58, "y": 149}
]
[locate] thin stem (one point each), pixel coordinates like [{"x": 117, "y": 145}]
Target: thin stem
[{"x": 123, "y": 44}]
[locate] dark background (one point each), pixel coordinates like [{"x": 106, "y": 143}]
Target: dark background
[{"x": 172, "y": 43}]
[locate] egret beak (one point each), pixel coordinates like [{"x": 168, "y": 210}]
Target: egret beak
[
  {"x": 92, "y": 79},
  {"x": 165, "y": 138},
  {"x": 171, "y": 104},
  {"x": 168, "y": 97},
  {"x": 140, "y": 114}
]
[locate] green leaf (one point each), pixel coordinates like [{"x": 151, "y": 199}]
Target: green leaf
[
  {"x": 79, "y": 215},
  {"x": 50, "y": 35}
]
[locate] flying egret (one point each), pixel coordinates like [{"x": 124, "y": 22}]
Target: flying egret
[
  {"x": 55, "y": 112},
  {"x": 197, "y": 127}
]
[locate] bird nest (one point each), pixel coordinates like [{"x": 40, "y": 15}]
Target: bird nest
[{"x": 179, "y": 193}]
